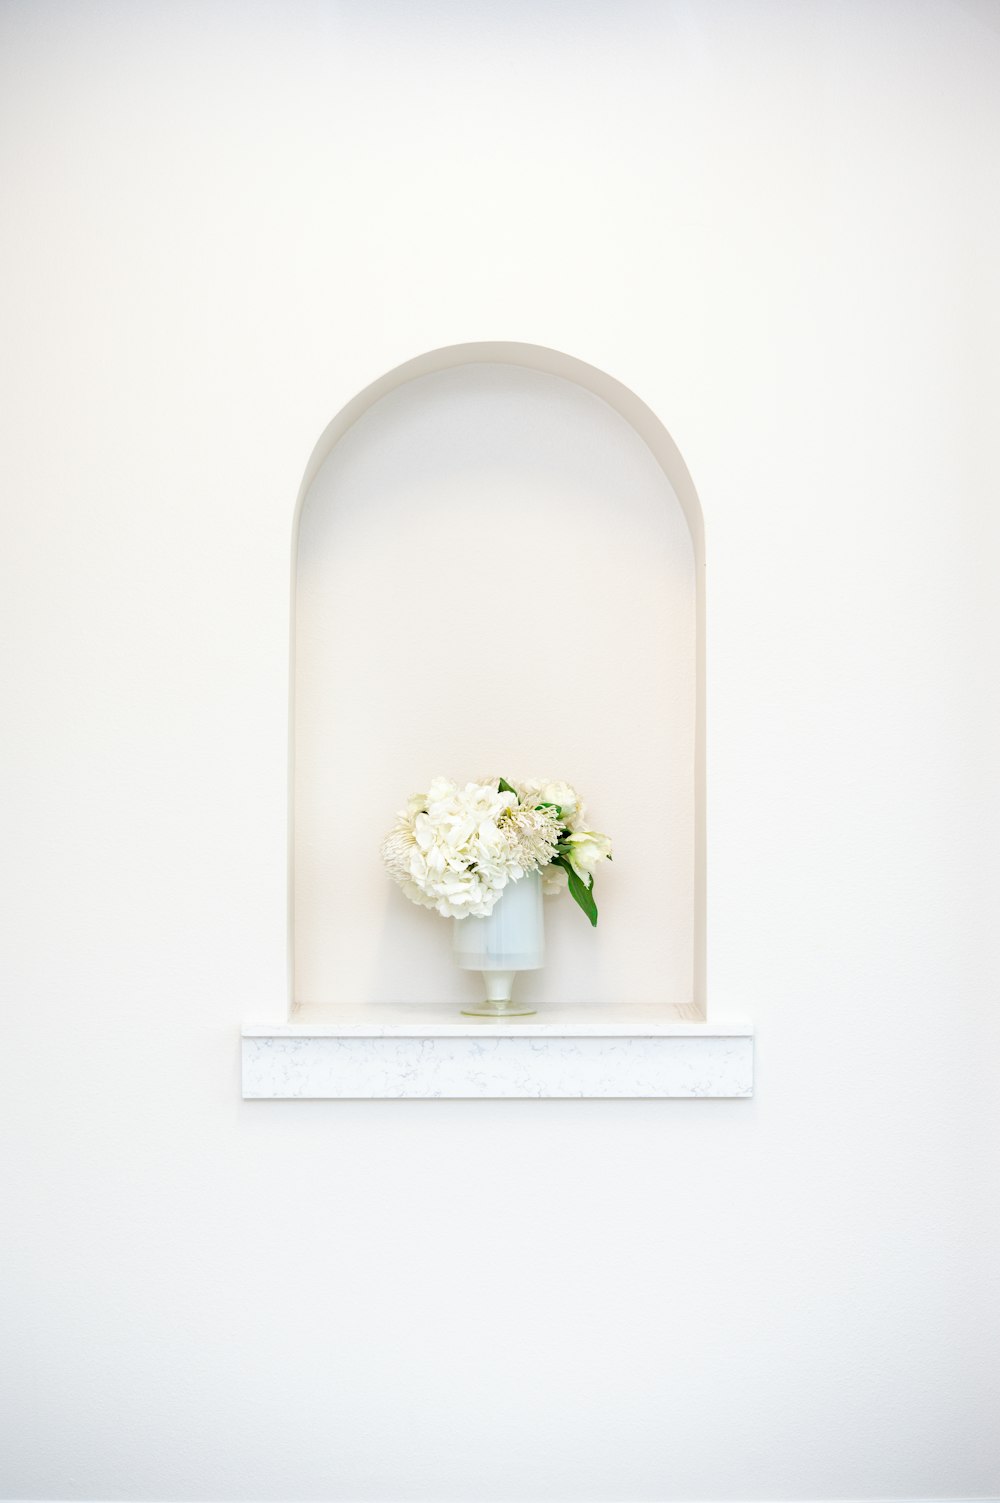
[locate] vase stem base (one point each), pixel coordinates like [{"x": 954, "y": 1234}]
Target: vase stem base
[
  {"x": 497, "y": 1003},
  {"x": 498, "y": 1010}
]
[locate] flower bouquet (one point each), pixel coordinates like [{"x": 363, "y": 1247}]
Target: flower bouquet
[{"x": 463, "y": 851}]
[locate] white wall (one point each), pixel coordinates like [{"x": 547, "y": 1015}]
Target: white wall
[{"x": 778, "y": 224}]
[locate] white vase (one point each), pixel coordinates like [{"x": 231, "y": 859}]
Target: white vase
[{"x": 512, "y": 939}]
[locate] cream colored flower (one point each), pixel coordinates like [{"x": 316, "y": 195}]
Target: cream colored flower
[
  {"x": 536, "y": 792},
  {"x": 535, "y": 833},
  {"x": 586, "y": 850},
  {"x": 562, "y": 794}
]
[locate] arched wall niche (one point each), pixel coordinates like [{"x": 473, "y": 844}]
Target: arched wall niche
[{"x": 497, "y": 567}]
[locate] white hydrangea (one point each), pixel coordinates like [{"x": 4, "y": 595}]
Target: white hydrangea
[{"x": 451, "y": 851}]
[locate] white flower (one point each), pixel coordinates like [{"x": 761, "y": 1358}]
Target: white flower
[
  {"x": 452, "y": 850},
  {"x": 536, "y": 832},
  {"x": 586, "y": 850},
  {"x": 536, "y": 792},
  {"x": 455, "y": 849},
  {"x": 562, "y": 794}
]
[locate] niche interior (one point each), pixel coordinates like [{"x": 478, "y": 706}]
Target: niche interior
[{"x": 497, "y": 568}]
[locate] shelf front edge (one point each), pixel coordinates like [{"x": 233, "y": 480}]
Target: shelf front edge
[{"x": 471, "y": 1059}]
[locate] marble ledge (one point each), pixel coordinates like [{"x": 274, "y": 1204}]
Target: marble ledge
[{"x": 413, "y": 1051}]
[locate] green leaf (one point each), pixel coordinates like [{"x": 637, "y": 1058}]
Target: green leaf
[
  {"x": 582, "y": 892},
  {"x": 505, "y": 787}
]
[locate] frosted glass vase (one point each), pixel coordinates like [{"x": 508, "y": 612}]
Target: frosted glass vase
[{"x": 512, "y": 939}]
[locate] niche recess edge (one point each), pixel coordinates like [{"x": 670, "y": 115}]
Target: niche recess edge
[{"x": 379, "y": 1050}]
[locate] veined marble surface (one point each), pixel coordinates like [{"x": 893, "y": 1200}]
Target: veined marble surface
[{"x": 407, "y": 1051}]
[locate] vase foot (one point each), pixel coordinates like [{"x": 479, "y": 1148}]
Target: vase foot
[
  {"x": 498, "y": 1010},
  {"x": 498, "y": 1002}
]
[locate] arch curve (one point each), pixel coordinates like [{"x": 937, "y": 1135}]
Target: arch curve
[{"x": 531, "y": 357}]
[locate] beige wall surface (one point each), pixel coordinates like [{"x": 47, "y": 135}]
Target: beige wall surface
[
  {"x": 778, "y": 225},
  {"x": 493, "y": 576}
]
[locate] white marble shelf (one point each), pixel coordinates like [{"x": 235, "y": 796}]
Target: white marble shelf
[{"x": 409, "y": 1050}]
